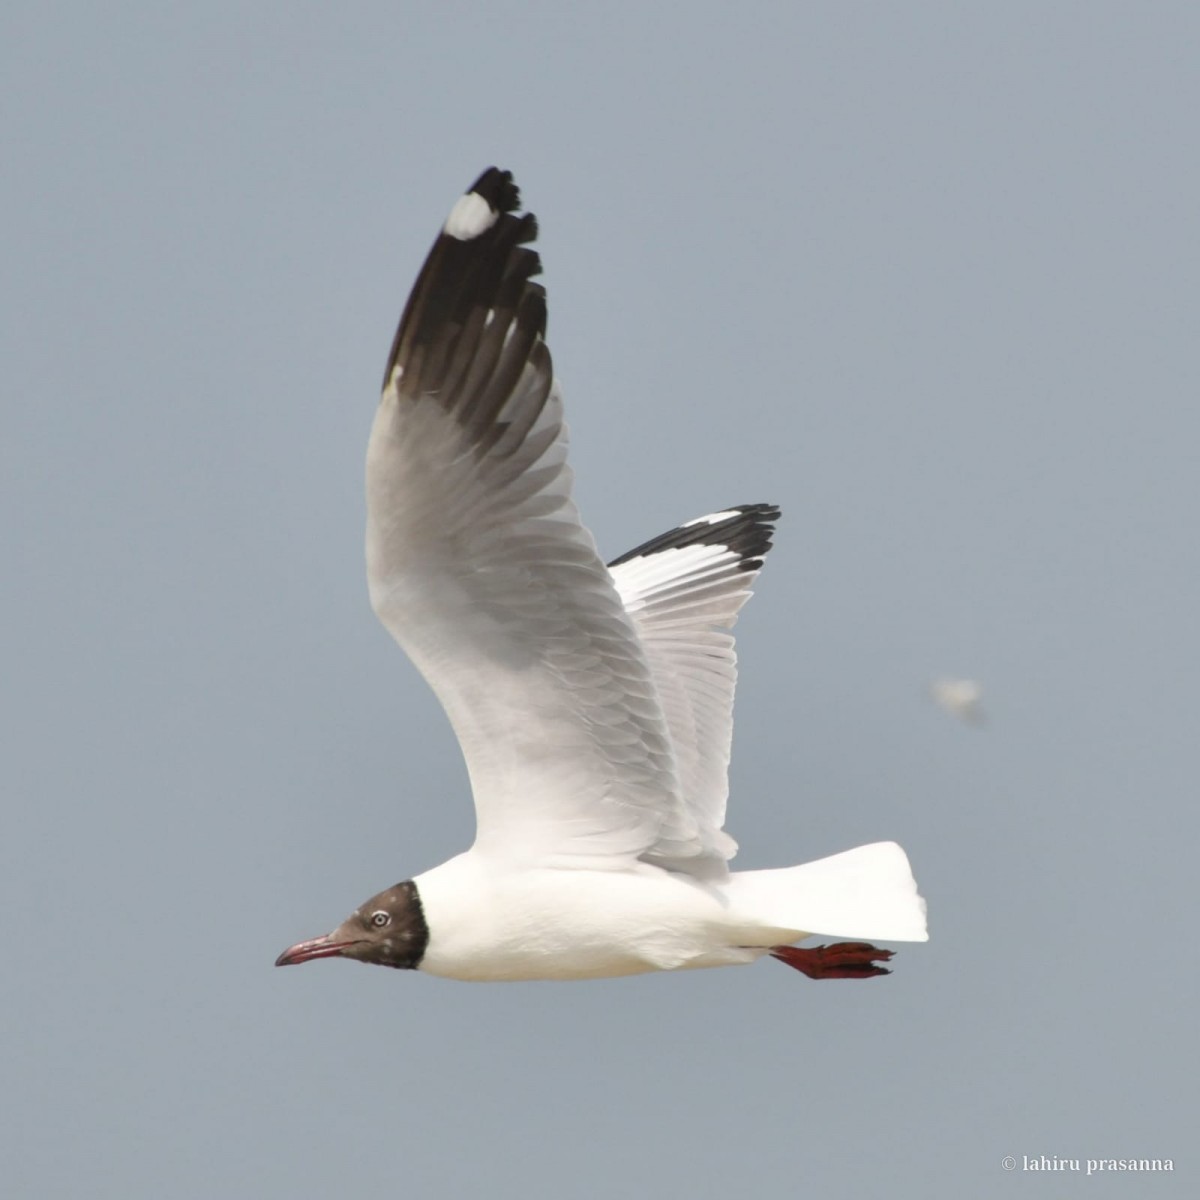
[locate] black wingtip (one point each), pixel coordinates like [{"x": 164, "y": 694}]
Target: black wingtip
[
  {"x": 745, "y": 529},
  {"x": 497, "y": 188},
  {"x": 479, "y": 258}
]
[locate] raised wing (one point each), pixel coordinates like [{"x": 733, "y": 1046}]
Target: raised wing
[
  {"x": 683, "y": 591},
  {"x": 480, "y": 567}
]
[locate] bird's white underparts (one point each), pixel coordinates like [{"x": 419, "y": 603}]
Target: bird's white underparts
[{"x": 593, "y": 703}]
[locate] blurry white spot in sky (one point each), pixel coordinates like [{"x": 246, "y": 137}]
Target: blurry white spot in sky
[{"x": 960, "y": 698}]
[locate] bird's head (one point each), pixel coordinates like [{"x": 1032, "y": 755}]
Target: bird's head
[{"x": 388, "y": 929}]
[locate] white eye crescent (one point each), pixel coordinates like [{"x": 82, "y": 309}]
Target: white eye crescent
[{"x": 380, "y": 919}]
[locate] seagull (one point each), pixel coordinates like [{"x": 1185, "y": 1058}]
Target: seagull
[{"x": 593, "y": 704}]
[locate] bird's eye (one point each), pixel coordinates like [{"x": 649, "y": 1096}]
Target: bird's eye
[{"x": 380, "y": 919}]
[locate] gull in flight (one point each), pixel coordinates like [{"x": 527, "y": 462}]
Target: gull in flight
[{"x": 593, "y": 703}]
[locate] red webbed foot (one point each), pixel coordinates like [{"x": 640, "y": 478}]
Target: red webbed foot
[{"x": 842, "y": 960}]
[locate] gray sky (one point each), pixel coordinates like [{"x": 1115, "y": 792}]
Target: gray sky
[{"x": 923, "y": 274}]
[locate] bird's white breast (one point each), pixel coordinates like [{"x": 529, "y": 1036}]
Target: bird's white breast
[{"x": 494, "y": 921}]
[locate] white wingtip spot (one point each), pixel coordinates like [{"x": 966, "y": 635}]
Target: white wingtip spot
[
  {"x": 712, "y": 518},
  {"x": 470, "y": 216}
]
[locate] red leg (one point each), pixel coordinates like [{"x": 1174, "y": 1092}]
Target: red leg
[{"x": 842, "y": 960}]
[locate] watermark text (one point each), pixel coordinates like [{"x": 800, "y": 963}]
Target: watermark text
[{"x": 1085, "y": 1166}]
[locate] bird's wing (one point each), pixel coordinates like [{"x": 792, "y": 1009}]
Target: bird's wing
[
  {"x": 480, "y": 567},
  {"x": 683, "y": 591}
]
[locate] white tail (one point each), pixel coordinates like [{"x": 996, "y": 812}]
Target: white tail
[{"x": 868, "y": 892}]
